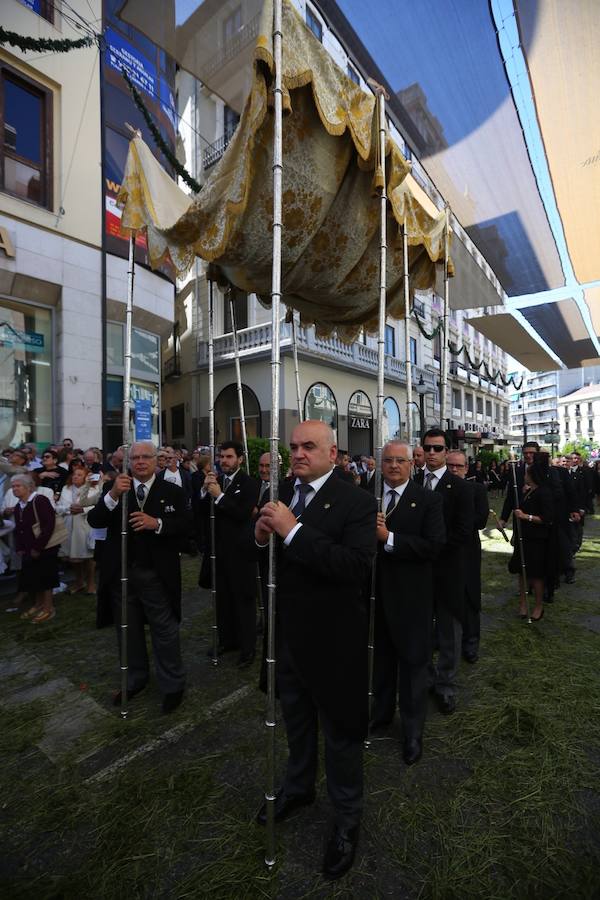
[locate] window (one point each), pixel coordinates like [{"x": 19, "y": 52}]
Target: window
[
  {"x": 178, "y": 421},
  {"x": 479, "y": 406},
  {"x": 437, "y": 343},
  {"x": 566, "y": 426},
  {"x": 590, "y": 409},
  {"x": 469, "y": 403},
  {"x": 591, "y": 425},
  {"x": 314, "y": 24},
  {"x": 232, "y": 24},
  {"x": 230, "y": 122},
  {"x": 390, "y": 340},
  {"x": 391, "y": 420},
  {"x": 144, "y": 349},
  {"x": 413, "y": 351},
  {"x": 240, "y": 310},
  {"x": 44, "y": 8},
  {"x": 488, "y": 409},
  {"x": 352, "y": 74},
  {"x": 26, "y": 135},
  {"x": 456, "y": 399},
  {"x": 320, "y": 403}
]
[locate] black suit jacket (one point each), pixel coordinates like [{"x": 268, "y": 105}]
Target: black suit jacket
[
  {"x": 405, "y": 575},
  {"x": 509, "y": 500},
  {"x": 449, "y": 569},
  {"x": 321, "y": 609},
  {"x": 234, "y": 538},
  {"x": 186, "y": 482},
  {"x": 582, "y": 480},
  {"x": 165, "y": 501},
  {"x": 368, "y": 483}
]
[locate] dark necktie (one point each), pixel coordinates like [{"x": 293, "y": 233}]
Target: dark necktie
[
  {"x": 263, "y": 490},
  {"x": 303, "y": 491},
  {"x": 428, "y": 479},
  {"x": 141, "y": 494},
  {"x": 226, "y": 482},
  {"x": 392, "y": 500}
]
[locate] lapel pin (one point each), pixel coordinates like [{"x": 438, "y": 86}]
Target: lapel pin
[
  {"x": 326, "y": 505},
  {"x": 413, "y": 505},
  {"x": 448, "y": 486}
]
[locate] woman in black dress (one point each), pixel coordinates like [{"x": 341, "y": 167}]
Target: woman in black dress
[
  {"x": 39, "y": 572},
  {"x": 536, "y": 515}
]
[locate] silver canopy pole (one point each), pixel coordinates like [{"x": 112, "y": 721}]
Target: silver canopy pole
[
  {"x": 519, "y": 530},
  {"x": 238, "y": 378},
  {"x": 126, "y": 448},
  {"x": 275, "y": 374},
  {"x": 380, "y": 382},
  {"x": 296, "y": 368},
  {"x": 211, "y": 441},
  {"x": 444, "y": 331},
  {"x": 408, "y": 361}
]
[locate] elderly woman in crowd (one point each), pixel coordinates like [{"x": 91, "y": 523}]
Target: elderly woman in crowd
[
  {"x": 80, "y": 493},
  {"x": 50, "y": 474},
  {"x": 34, "y": 526}
]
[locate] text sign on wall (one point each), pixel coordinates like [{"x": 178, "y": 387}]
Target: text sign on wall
[
  {"x": 120, "y": 54},
  {"x": 358, "y": 422},
  {"x": 143, "y": 420}
]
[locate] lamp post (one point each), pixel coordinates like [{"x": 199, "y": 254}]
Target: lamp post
[
  {"x": 422, "y": 389},
  {"x": 524, "y": 428},
  {"x": 555, "y": 432}
]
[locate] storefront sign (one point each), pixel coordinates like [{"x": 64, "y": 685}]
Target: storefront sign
[
  {"x": 21, "y": 340},
  {"x": 143, "y": 420},
  {"x": 6, "y": 244},
  {"x": 34, "y": 5},
  {"x": 120, "y": 54},
  {"x": 356, "y": 422}
]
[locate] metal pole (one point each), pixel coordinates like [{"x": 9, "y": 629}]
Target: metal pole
[
  {"x": 125, "y": 496},
  {"x": 211, "y": 441},
  {"x": 380, "y": 385},
  {"x": 444, "y": 333},
  {"x": 275, "y": 374},
  {"x": 238, "y": 378},
  {"x": 517, "y": 526},
  {"x": 296, "y": 369},
  {"x": 408, "y": 363}
]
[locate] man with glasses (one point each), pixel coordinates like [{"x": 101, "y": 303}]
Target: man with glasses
[
  {"x": 158, "y": 519},
  {"x": 410, "y": 535},
  {"x": 449, "y": 571},
  {"x": 174, "y": 473},
  {"x": 471, "y": 631}
]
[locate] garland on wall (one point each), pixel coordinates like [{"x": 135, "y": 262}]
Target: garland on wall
[
  {"x": 491, "y": 376},
  {"x": 26, "y": 43},
  {"x": 158, "y": 138}
]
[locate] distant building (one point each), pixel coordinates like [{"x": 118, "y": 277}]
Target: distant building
[{"x": 579, "y": 415}]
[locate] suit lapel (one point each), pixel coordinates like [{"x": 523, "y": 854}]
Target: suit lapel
[{"x": 322, "y": 502}]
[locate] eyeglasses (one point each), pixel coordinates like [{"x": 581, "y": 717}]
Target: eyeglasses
[
  {"x": 434, "y": 448},
  {"x": 456, "y": 466},
  {"x": 395, "y": 459},
  {"x": 144, "y": 456}
]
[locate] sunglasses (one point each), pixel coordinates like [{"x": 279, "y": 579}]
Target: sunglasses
[{"x": 434, "y": 448}]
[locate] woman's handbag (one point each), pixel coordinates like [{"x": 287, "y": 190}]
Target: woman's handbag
[{"x": 58, "y": 535}]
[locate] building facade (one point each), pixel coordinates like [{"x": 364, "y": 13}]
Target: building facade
[
  {"x": 337, "y": 380},
  {"x": 63, "y": 278}
]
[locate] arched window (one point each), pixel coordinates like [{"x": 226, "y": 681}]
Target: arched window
[
  {"x": 360, "y": 425},
  {"x": 228, "y": 426},
  {"x": 391, "y": 420},
  {"x": 320, "y": 404}
]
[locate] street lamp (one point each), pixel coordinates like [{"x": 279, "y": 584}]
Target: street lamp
[
  {"x": 554, "y": 432},
  {"x": 524, "y": 428},
  {"x": 422, "y": 389}
]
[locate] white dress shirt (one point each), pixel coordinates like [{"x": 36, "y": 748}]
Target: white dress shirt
[
  {"x": 174, "y": 477},
  {"x": 316, "y": 485},
  {"x": 436, "y": 476},
  {"x": 388, "y": 493},
  {"x": 111, "y": 503}
]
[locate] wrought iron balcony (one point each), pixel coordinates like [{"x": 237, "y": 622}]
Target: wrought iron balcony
[
  {"x": 171, "y": 368},
  {"x": 231, "y": 48},
  {"x": 255, "y": 342},
  {"x": 214, "y": 151}
]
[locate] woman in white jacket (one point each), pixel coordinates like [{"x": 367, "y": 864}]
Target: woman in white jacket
[{"x": 79, "y": 494}]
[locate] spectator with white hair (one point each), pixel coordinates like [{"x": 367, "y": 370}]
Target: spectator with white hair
[{"x": 34, "y": 527}]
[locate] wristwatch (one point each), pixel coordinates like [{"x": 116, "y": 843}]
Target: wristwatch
[{"x": 530, "y": 518}]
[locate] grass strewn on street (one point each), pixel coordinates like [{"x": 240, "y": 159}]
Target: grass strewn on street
[{"x": 504, "y": 805}]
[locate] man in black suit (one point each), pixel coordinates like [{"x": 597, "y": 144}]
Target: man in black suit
[
  {"x": 174, "y": 473},
  {"x": 326, "y": 543},
  {"x": 418, "y": 461},
  {"x": 410, "y": 534},
  {"x": 449, "y": 569},
  {"x": 157, "y": 522},
  {"x": 471, "y": 631},
  {"x": 236, "y": 497},
  {"x": 529, "y": 450},
  {"x": 582, "y": 479},
  {"x": 367, "y": 479}
]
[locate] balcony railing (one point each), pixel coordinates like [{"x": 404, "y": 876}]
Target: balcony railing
[
  {"x": 256, "y": 341},
  {"x": 214, "y": 151},
  {"x": 171, "y": 368},
  {"x": 247, "y": 34}
]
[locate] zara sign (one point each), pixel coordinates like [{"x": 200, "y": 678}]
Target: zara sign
[{"x": 358, "y": 422}]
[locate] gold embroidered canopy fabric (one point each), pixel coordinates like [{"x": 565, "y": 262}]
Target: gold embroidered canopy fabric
[{"x": 330, "y": 236}]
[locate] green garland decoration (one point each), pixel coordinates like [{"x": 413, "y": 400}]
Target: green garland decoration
[
  {"x": 26, "y": 43},
  {"x": 423, "y": 330},
  {"x": 158, "y": 138},
  {"x": 456, "y": 351}
]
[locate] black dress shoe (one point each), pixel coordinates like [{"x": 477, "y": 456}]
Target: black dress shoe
[
  {"x": 130, "y": 694},
  {"x": 245, "y": 660},
  {"x": 412, "y": 750},
  {"x": 171, "y": 702},
  {"x": 285, "y": 806},
  {"x": 340, "y": 851},
  {"x": 470, "y": 656},
  {"x": 446, "y": 704}
]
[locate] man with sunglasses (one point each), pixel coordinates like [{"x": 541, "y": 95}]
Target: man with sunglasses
[{"x": 449, "y": 569}]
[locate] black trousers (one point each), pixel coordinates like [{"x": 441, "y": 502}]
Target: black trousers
[
  {"x": 471, "y": 631},
  {"x": 236, "y": 605},
  {"x": 148, "y": 602},
  {"x": 343, "y": 756},
  {"x": 397, "y": 681}
]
